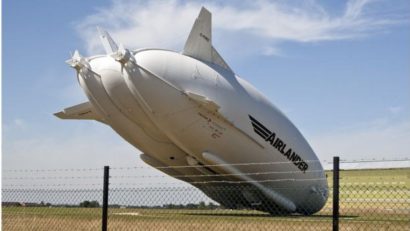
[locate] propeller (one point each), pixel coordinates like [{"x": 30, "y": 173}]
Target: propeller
[
  {"x": 119, "y": 53},
  {"x": 109, "y": 44},
  {"x": 123, "y": 55},
  {"x": 77, "y": 61}
]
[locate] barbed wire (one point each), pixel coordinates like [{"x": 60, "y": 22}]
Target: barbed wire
[
  {"x": 214, "y": 165},
  {"x": 367, "y": 160},
  {"x": 149, "y": 167},
  {"x": 52, "y": 177},
  {"x": 191, "y": 187},
  {"x": 147, "y": 176},
  {"x": 246, "y": 181},
  {"x": 255, "y": 181},
  {"x": 54, "y": 170},
  {"x": 161, "y": 183},
  {"x": 196, "y": 166},
  {"x": 157, "y": 176},
  {"x": 216, "y": 175},
  {"x": 49, "y": 185},
  {"x": 182, "y": 184}
]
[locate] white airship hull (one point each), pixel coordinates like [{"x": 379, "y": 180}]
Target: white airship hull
[{"x": 180, "y": 110}]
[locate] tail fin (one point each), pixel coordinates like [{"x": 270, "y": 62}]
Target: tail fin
[
  {"x": 199, "y": 43},
  {"x": 82, "y": 111}
]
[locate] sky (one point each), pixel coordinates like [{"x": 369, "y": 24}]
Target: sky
[{"x": 340, "y": 70}]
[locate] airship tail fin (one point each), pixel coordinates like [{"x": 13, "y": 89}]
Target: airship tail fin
[
  {"x": 82, "y": 111},
  {"x": 218, "y": 60},
  {"x": 199, "y": 43}
]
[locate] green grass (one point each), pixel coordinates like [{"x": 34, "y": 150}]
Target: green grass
[
  {"x": 370, "y": 200},
  {"x": 371, "y": 176},
  {"x": 19, "y": 218}
]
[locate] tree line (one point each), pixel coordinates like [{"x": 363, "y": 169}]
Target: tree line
[{"x": 96, "y": 204}]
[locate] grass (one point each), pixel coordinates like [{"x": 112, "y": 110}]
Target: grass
[
  {"x": 370, "y": 199},
  {"x": 20, "y": 218}
]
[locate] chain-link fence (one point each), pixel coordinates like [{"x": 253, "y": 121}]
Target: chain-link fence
[{"x": 369, "y": 199}]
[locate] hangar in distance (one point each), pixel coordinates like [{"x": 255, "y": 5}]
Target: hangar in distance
[{"x": 191, "y": 109}]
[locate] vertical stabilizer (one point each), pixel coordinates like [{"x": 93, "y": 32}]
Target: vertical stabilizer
[{"x": 199, "y": 43}]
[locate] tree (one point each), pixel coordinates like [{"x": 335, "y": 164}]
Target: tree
[
  {"x": 212, "y": 205},
  {"x": 201, "y": 205},
  {"x": 90, "y": 204}
]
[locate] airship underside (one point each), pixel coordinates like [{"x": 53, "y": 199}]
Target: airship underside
[{"x": 190, "y": 109}]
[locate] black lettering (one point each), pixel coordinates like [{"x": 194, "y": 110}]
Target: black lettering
[
  {"x": 271, "y": 138},
  {"x": 276, "y": 141},
  {"x": 203, "y": 36},
  {"x": 300, "y": 165},
  {"x": 298, "y": 160},
  {"x": 303, "y": 166},
  {"x": 294, "y": 157},
  {"x": 287, "y": 154},
  {"x": 283, "y": 147},
  {"x": 279, "y": 144}
]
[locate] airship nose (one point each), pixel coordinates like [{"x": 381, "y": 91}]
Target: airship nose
[
  {"x": 317, "y": 199},
  {"x": 111, "y": 75},
  {"x": 117, "y": 81}
]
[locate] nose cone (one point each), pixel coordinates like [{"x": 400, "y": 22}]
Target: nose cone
[
  {"x": 110, "y": 74},
  {"x": 99, "y": 64},
  {"x": 314, "y": 200},
  {"x": 91, "y": 81}
]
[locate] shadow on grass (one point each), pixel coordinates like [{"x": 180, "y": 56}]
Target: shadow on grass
[{"x": 295, "y": 216}]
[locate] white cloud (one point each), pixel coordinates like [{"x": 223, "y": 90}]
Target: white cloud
[
  {"x": 271, "y": 50},
  {"x": 140, "y": 24}
]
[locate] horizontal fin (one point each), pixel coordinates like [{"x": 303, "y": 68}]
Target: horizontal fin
[
  {"x": 214, "y": 108},
  {"x": 203, "y": 101},
  {"x": 83, "y": 111}
]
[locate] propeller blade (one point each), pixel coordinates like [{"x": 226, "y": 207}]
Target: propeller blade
[
  {"x": 109, "y": 45},
  {"x": 123, "y": 55},
  {"x": 77, "y": 61}
]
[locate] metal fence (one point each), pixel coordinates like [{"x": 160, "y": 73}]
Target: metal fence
[{"x": 72, "y": 199}]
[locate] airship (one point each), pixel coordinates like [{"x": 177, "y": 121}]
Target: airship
[{"x": 196, "y": 120}]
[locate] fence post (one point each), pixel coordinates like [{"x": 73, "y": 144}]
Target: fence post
[
  {"x": 336, "y": 193},
  {"x": 105, "y": 198}
]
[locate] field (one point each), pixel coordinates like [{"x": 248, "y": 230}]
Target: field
[
  {"x": 369, "y": 200},
  {"x": 152, "y": 219}
]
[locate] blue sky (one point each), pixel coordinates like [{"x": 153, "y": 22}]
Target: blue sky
[{"x": 339, "y": 70}]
